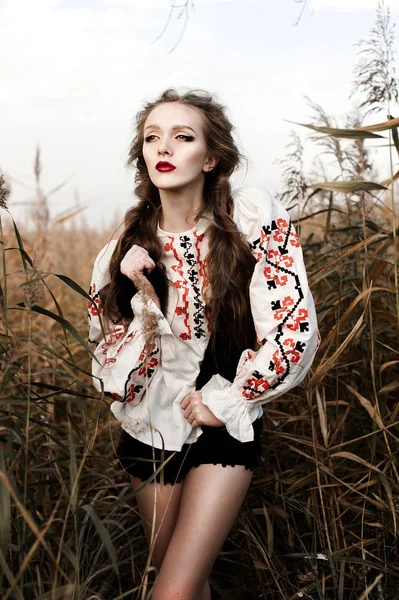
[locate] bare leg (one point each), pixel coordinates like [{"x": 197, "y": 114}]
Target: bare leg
[
  {"x": 168, "y": 502},
  {"x": 205, "y": 593},
  {"x": 211, "y": 498},
  {"x": 167, "y": 509}
]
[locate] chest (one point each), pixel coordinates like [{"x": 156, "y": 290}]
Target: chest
[{"x": 184, "y": 261}]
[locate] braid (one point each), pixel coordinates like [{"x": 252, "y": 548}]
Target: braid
[
  {"x": 140, "y": 228},
  {"x": 229, "y": 263},
  {"x": 227, "y": 291}
]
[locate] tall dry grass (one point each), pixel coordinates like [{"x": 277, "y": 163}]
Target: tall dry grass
[{"x": 321, "y": 516}]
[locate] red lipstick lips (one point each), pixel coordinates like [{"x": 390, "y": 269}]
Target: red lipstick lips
[{"x": 164, "y": 166}]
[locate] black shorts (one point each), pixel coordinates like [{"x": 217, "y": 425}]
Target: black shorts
[{"x": 214, "y": 446}]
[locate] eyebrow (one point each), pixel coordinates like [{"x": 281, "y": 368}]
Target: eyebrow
[{"x": 174, "y": 128}]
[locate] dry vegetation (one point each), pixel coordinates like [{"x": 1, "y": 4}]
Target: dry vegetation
[{"x": 321, "y": 516}]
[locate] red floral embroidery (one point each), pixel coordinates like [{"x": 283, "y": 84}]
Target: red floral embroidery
[
  {"x": 255, "y": 386},
  {"x": 277, "y": 361},
  {"x": 185, "y": 311},
  {"x": 182, "y": 310},
  {"x": 295, "y": 320},
  {"x": 294, "y": 239},
  {"x": 291, "y": 351},
  {"x": 280, "y": 260},
  {"x": 281, "y": 231},
  {"x": 284, "y": 308},
  {"x": 147, "y": 366},
  {"x": 94, "y": 305},
  {"x": 127, "y": 340},
  {"x": 146, "y": 351},
  {"x": 132, "y": 392},
  {"x": 113, "y": 337},
  {"x": 249, "y": 355},
  {"x": 280, "y": 278}
]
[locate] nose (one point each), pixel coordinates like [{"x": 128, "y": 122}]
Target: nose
[{"x": 163, "y": 148}]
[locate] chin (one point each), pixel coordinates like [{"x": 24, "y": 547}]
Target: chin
[
  {"x": 170, "y": 188},
  {"x": 171, "y": 185}
]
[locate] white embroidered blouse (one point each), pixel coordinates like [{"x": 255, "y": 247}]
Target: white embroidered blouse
[{"x": 147, "y": 397}]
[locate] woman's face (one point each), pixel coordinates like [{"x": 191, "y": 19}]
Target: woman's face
[{"x": 173, "y": 133}]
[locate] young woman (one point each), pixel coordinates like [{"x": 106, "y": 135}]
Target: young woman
[{"x": 207, "y": 316}]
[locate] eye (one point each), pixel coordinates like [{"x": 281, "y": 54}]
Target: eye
[{"x": 188, "y": 138}]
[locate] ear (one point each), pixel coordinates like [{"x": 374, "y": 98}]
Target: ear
[{"x": 210, "y": 164}]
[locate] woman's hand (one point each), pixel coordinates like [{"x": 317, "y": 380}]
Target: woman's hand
[
  {"x": 197, "y": 413},
  {"x": 132, "y": 265},
  {"x": 136, "y": 260}
]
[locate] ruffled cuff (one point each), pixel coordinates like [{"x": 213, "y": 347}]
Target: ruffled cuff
[
  {"x": 228, "y": 405},
  {"x": 168, "y": 343}
]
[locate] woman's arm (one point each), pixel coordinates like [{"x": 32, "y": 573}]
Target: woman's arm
[
  {"x": 124, "y": 359},
  {"x": 283, "y": 311}
]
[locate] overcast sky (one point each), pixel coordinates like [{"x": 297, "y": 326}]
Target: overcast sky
[{"x": 73, "y": 73}]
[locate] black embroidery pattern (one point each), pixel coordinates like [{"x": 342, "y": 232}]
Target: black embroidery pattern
[
  {"x": 95, "y": 310},
  {"x": 95, "y": 296},
  {"x": 131, "y": 389},
  {"x": 199, "y": 306},
  {"x": 92, "y": 310},
  {"x": 285, "y": 308}
]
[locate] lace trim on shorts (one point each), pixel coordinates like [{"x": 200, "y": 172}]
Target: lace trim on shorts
[{"x": 215, "y": 446}]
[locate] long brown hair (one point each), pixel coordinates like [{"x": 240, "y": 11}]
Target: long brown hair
[{"x": 229, "y": 263}]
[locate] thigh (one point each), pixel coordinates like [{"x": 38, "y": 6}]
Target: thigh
[
  {"x": 211, "y": 498},
  {"x": 159, "y": 507}
]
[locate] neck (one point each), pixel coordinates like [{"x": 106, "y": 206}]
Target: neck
[{"x": 180, "y": 208}]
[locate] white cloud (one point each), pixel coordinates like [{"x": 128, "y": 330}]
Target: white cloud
[{"x": 349, "y": 5}]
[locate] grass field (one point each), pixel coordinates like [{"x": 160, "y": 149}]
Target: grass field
[{"x": 321, "y": 517}]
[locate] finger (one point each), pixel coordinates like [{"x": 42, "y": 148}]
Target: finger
[
  {"x": 187, "y": 413},
  {"x": 194, "y": 421},
  {"x": 148, "y": 263},
  {"x": 152, "y": 263},
  {"x": 136, "y": 266},
  {"x": 193, "y": 417},
  {"x": 186, "y": 401},
  {"x": 196, "y": 397},
  {"x": 136, "y": 253},
  {"x": 143, "y": 262},
  {"x": 137, "y": 249}
]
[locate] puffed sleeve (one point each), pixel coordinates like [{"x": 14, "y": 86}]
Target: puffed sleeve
[
  {"x": 120, "y": 348},
  {"x": 283, "y": 311}
]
